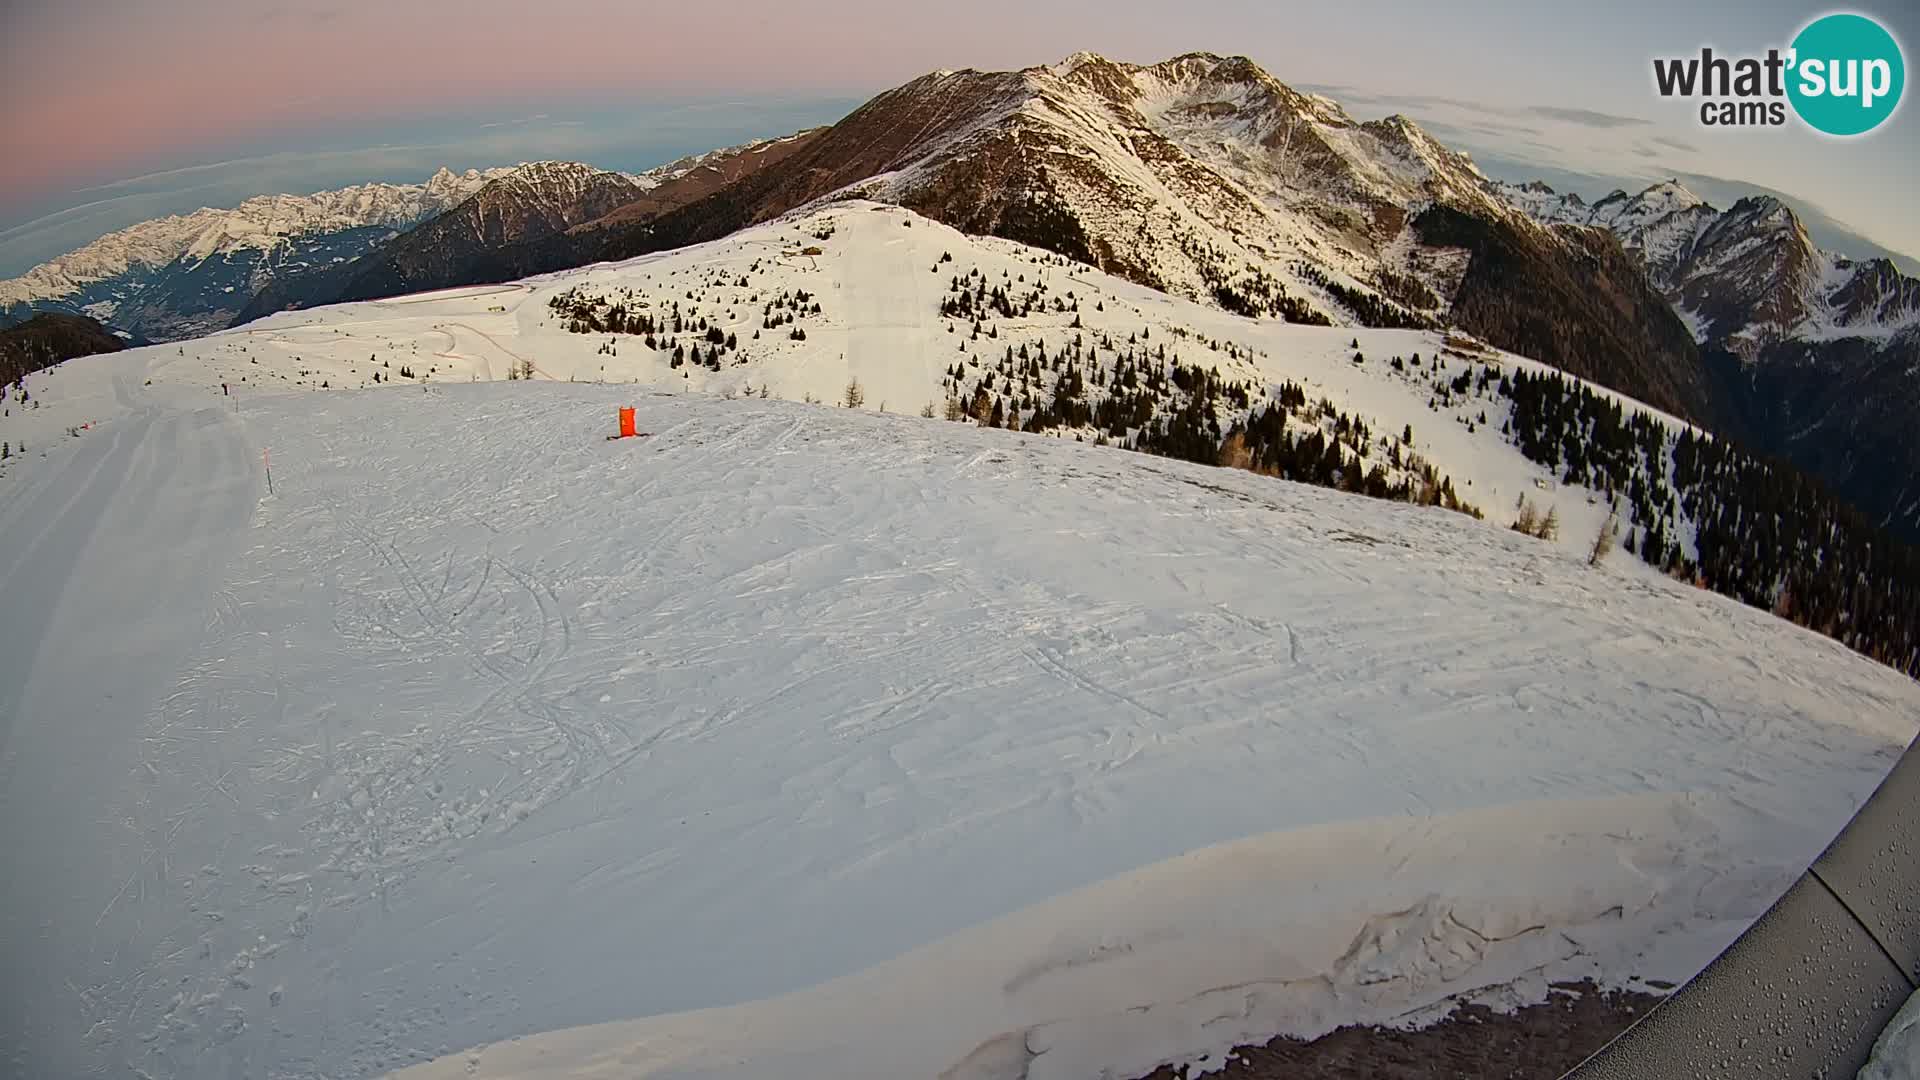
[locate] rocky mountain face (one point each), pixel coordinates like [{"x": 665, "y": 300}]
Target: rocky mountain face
[
  {"x": 1206, "y": 177},
  {"x": 691, "y": 179},
  {"x": 1745, "y": 277},
  {"x": 189, "y": 274},
  {"x": 530, "y": 202},
  {"x": 1810, "y": 355},
  {"x": 47, "y": 339},
  {"x": 561, "y": 211}
]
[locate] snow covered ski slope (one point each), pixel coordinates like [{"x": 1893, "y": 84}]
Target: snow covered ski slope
[
  {"x": 110, "y": 560},
  {"x": 489, "y": 726},
  {"x": 793, "y": 740}
]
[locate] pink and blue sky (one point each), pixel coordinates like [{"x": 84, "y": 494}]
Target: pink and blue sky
[{"x": 119, "y": 110}]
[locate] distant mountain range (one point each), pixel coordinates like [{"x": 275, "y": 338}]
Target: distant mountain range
[
  {"x": 530, "y": 204},
  {"x": 1812, "y": 356},
  {"x": 1746, "y": 277},
  {"x": 186, "y": 275},
  {"x": 1202, "y": 176},
  {"x": 189, "y": 274},
  {"x": 508, "y": 207}
]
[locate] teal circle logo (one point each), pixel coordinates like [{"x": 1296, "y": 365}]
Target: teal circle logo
[{"x": 1847, "y": 74}]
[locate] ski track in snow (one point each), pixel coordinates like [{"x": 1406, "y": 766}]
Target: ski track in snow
[
  {"x": 104, "y": 570},
  {"x": 499, "y": 727},
  {"x": 482, "y": 726}
]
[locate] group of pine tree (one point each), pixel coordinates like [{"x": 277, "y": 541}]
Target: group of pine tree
[
  {"x": 687, "y": 336},
  {"x": 1764, "y": 533},
  {"x": 1137, "y": 394}
]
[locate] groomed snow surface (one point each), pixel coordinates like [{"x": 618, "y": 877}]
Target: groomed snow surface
[{"x": 795, "y": 741}]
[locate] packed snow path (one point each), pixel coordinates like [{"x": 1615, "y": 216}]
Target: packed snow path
[
  {"x": 488, "y": 726},
  {"x": 108, "y": 562}
]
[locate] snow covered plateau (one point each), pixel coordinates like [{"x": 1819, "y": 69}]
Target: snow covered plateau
[{"x": 799, "y": 740}]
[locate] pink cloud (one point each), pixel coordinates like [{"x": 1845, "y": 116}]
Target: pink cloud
[{"x": 113, "y": 92}]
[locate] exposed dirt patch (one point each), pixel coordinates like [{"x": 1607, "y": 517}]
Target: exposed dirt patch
[{"x": 1540, "y": 1042}]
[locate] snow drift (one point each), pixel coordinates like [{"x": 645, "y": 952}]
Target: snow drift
[{"x": 1300, "y": 931}]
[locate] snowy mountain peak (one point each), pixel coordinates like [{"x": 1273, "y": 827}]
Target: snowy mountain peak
[
  {"x": 1205, "y": 80},
  {"x": 258, "y": 224},
  {"x": 548, "y": 171},
  {"x": 1744, "y": 277},
  {"x": 1249, "y": 158},
  {"x": 208, "y": 266},
  {"x": 446, "y": 188},
  {"x": 1622, "y": 211},
  {"x": 1066, "y": 68},
  {"x": 558, "y": 187},
  {"x": 1442, "y": 172},
  {"x": 1206, "y": 67},
  {"x": 1765, "y": 213},
  {"x": 1673, "y": 194},
  {"x": 529, "y": 202}
]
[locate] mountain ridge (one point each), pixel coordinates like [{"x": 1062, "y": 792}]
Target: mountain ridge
[
  {"x": 1747, "y": 276},
  {"x": 536, "y": 199},
  {"x": 257, "y": 222},
  {"x": 459, "y": 247},
  {"x": 1202, "y": 176},
  {"x": 187, "y": 274},
  {"x": 1813, "y": 355}
]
